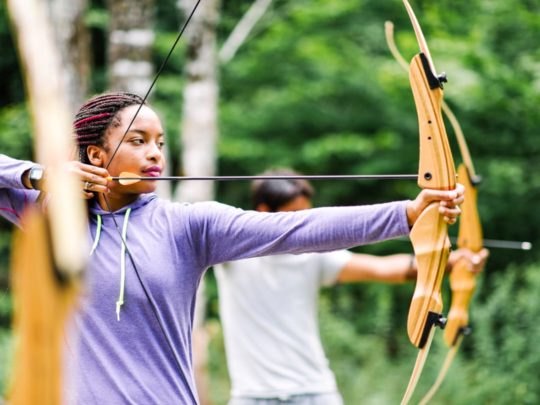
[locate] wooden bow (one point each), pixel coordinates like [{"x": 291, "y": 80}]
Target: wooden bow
[
  {"x": 429, "y": 235},
  {"x": 48, "y": 257},
  {"x": 462, "y": 280}
]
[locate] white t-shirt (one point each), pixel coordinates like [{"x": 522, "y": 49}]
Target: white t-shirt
[{"x": 268, "y": 308}]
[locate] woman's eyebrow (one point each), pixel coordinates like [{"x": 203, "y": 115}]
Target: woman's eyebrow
[{"x": 145, "y": 133}]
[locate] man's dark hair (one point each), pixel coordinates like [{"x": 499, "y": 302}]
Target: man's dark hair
[{"x": 276, "y": 193}]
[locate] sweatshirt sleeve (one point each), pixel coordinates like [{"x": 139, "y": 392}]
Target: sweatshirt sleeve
[
  {"x": 13, "y": 195},
  {"x": 226, "y": 233}
]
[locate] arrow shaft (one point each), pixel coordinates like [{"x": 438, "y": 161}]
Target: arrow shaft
[
  {"x": 507, "y": 244},
  {"x": 493, "y": 243},
  {"x": 308, "y": 177}
]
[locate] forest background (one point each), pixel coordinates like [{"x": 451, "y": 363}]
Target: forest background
[{"x": 314, "y": 87}]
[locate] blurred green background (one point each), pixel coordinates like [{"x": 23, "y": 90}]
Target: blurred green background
[{"x": 315, "y": 88}]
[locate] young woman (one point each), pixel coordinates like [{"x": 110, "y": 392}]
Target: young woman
[{"x": 135, "y": 320}]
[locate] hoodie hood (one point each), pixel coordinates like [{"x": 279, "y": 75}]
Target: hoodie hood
[{"x": 141, "y": 201}]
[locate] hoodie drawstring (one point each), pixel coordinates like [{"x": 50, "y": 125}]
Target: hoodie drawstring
[
  {"x": 98, "y": 234},
  {"x": 120, "y": 300}
]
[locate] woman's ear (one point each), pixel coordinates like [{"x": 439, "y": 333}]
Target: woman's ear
[{"x": 96, "y": 155}]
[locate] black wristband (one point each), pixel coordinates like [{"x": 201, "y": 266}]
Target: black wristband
[{"x": 35, "y": 176}]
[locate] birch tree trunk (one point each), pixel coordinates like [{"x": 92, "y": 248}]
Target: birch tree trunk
[
  {"x": 241, "y": 31},
  {"x": 199, "y": 116},
  {"x": 73, "y": 40},
  {"x": 131, "y": 37},
  {"x": 129, "y": 51},
  {"x": 199, "y": 144}
]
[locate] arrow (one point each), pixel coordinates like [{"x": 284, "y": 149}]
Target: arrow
[{"x": 127, "y": 178}]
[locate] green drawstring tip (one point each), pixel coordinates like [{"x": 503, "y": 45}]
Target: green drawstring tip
[
  {"x": 118, "y": 307},
  {"x": 120, "y": 301}
]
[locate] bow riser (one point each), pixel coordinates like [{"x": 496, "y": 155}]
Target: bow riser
[
  {"x": 462, "y": 280},
  {"x": 49, "y": 256},
  {"x": 43, "y": 305},
  {"x": 52, "y": 128},
  {"x": 431, "y": 248}
]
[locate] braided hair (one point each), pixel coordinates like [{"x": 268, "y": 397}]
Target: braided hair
[{"x": 96, "y": 116}]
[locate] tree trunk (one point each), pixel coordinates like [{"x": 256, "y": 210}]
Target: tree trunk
[
  {"x": 129, "y": 52},
  {"x": 241, "y": 31},
  {"x": 199, "y": 116},
  {"x": 73, "y": 40},
  {"x": 131, "y": 37},
  {"x": 199, "y": 144}
]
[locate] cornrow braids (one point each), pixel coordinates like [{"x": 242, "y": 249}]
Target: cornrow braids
[{"x": 96, "y": 116}]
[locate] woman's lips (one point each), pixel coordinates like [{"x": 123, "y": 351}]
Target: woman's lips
[{"x": 152, "y": 172}]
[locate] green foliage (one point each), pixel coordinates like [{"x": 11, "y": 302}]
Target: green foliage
[
  {"x": 15, "y": 140},
  {"x": 15, "y": 135},
  {"x": 217, "y": 364},
  {"x": 6, "y": 307},
  {"x": 506, "y": 332},
  {"x": 11, "y": 88},
  {"x": 357, "y": 357},
  {"x": 6, "y": 357}
]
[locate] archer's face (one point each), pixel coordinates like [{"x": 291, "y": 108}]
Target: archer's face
[{"x": 141, "y": 150}]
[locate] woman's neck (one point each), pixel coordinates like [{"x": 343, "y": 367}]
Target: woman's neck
[{"x": 115, "y": 202}]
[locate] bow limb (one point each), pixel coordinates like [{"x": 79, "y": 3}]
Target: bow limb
[
  {"x": 462, "y": 280},
  {"x": 442, "y": 373},
  {"x": 429, "y": 235},
  {"x": 463, "y": 148},
  {"x": 48, "y": 257}
]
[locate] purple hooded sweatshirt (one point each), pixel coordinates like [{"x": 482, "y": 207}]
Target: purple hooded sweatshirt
[{"x": 129, "y": 361}]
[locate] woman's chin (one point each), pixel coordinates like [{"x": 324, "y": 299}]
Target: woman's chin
[{"x": 148, "y": 187}]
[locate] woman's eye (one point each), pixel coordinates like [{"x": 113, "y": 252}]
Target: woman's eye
[
  {"x": 161, "y": 144},
  {"x": 137, "y": 141}
]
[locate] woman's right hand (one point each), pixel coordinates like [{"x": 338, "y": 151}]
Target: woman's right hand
[{"x": 93, "y": 178}]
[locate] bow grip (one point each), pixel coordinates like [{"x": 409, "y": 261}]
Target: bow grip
[{"x": 431, "y": 245}]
